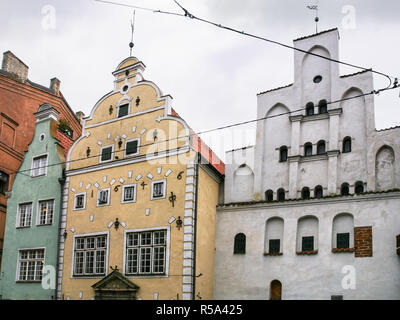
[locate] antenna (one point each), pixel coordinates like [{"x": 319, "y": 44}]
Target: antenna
[
  {"x": 315, "y": 7},
  {"x": 132, "y": 30}
]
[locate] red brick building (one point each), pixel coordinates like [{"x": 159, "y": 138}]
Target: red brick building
[{"x": 19, "y": 100}]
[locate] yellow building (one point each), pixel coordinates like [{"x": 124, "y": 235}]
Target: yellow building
[{"x": 138, "y": 213}]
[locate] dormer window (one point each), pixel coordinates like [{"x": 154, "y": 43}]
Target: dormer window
[
  {"x": 123, "y": 110},
  {"x": 309, "y": 109}
]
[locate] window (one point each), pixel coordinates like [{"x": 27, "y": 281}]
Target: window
[
  {"x": 158, "y": 189},
  {"x": 281, "y": 194},
  {"x": 80, "y": 201},
  {"x": 317, "y": 79},
  {"x": 308, "y": 149},
  {"x": 283, "y": 154},
  {"x": 359, "y": 187},
  {"x": 322, "y": 106},
  {"x": 269, "y": 195},
  {"x": 321, "y": 147},
  {"x": 106, "y": 153},
  {"x": 274, "y": 245},
  {"x": 39, "y": 166},
  {"x": 344, "y": 189},
  {"x": 318, "y": 192},
  {"x": 146, "y": 253},
  {"x": 46, "y": 212},
  {"x": 309, "y": 109},
  {"x": 30, "y": 265},
  {"x": 239, "y": 244},
  {"x": 24, "y": 215},
  {"x": 132, "y": 147},
  {"x": 343, "y": 240},
  {"x": 305, "y": 193},
  {"x": 129, "y": 193},
  {"x": 123, "y": 110},
  {"x": 90, "y": 255},
  {"x": 346, "y": 145},
  {"x": 103, "y": 197},
  {"x": 3, "y": 182},
  {"x": 307, "y": 244}
]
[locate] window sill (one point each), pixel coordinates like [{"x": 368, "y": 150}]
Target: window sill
[
  {"x": 88, "y": 276},
  {"x": 273, "y": 253},
  {"x": 340, "y": 250},
  {"x": 307, "y": 253},
  {"x": 28, "y": 281},
  {"x": 23, "y": 227},
  {"x": 44, "y": 225}
]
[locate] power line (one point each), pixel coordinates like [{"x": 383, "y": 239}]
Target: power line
[{"x": 212, "y": 130}]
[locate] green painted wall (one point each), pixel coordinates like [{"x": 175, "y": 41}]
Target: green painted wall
[{"x": 28, "y": 189}]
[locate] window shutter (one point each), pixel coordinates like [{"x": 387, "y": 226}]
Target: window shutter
[
  {"x": 131, "y": 147},
  {"x": 342, "y": 240},
  {"x": 106, "y": 153}
]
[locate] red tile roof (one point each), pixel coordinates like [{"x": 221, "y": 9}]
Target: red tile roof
[{"x": 65, "y": 142}]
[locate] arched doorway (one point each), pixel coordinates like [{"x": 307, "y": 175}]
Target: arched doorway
[{"x": 276, "y": 290}]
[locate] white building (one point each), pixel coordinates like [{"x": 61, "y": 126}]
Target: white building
[{"x": 312, "y": 211}]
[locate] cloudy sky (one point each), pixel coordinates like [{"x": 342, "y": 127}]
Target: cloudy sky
[{"x": 212, "y": 74}]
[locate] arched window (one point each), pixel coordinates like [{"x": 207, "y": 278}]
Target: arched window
[
  {"x": 322, "y": 106},
  {"x": 281, "y": 194},
  {"x": 307, "y": 234},
  {"x": 346, "y": 145},
  {"x": 344, "y": 189},
  {"x": 269, "y": 195},
  {"x": 275, "y": 290},
  {"x": 283, "y": 154},
  {"x": 318, "y": 192},
  {"x": 359, "y": 187},
  {"x": 240, "y": 244},
  {"x": 342, "y": 232},
  {"x": 305, "y": 193},
  {"x": 308, "y": 149},
  {"x": 274, "y": 236},
  {"x": 321, "y": 147},
  {"x": 309, "y": 109}
]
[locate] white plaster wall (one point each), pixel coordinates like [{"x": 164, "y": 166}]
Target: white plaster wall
[{"x": 308, "y": 277}]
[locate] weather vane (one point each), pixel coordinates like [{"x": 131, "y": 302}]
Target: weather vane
[
  {"x": 315, "y": 7},
  {"x": 132, "y": 30}
]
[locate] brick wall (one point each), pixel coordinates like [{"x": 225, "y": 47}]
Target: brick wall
[{"x": 363, "y": 242}]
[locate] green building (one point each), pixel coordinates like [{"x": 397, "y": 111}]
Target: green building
[{"x": 31, "y": 239}]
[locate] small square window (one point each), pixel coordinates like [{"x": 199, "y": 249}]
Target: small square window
[
  {"x": 123, "y": 110},
  {"x": 103, "y": 197},
  {"x": 79, "y": 201},
  {"x": 158, "y": 190},
  {"x": 307, "y": 244},
  {"x": 106, "y": 153},
  {"x": 129, "y": 193},
  {"x": 343, "y": 240},
  {"x": 274, "y": 245},
  {"x": 132, "y": 147}
]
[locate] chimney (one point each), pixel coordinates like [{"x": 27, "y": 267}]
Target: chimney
[
  {"x": 15, "y": 67},
  {"x": 80, "y": 115},
  {"x": 55, "y": 85}
]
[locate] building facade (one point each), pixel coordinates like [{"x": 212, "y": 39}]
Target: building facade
[
  {"x": 138, "y": 211},
  {"x": 33, "y": 214},
  {"x": 19, "y": 100},
  {"x": 311, "y": 211}
]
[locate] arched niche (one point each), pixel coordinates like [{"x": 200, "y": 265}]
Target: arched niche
[
  {"x": 385, "y": 168},
  {"x": 307, "y": 234},
  {"x": 274, "y": 235},
  {"x": 275, "y": 290},
  {"x": 343, "y": 231},
  {"x": 243, "y": 182}
]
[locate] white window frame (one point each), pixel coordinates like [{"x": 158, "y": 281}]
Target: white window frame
[
  {"x": 84, "y": 201},
  {"x": 164, "y": 189},
  {"x": 19, "y": 215},
  {"x": 123, "y": 193},
  {"x": 167, "y": 253},
  {"x": 92, "y": 275},
  {"x": 45, "y": 167},
  {"x": 108, "y": 197},
  {"x": 38, "y": 212},
  {"x": 17, "y": 273},
  {"x": 138, "y": 147},
  {"x": 112, "y": 153},
  {"x": 122, "y": 103}
]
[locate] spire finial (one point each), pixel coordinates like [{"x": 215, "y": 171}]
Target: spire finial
[
  {"x": 132, "y": 30},
  {"x": 315, "y": 7}
]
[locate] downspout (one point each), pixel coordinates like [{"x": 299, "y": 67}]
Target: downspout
[
  {"x": 195, "y": 224},
  {"x": 62, "y": 183}
]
